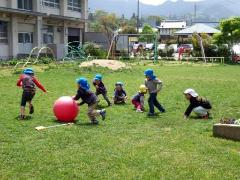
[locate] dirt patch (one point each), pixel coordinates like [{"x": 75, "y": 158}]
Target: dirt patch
[{"x": 111, "y": 64}]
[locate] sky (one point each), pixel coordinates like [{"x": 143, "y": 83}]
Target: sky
[{"x": 158, "y": 2}]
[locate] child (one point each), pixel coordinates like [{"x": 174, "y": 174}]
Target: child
[
  {"x": 100, "y": 88},
  {"x": 28, "y": 82},
  {"x": 138, "y": 99},
  {"x": 120, "y": 95},
  {"x": 90, "y": 99},
  {"x": 154, "y": 85},
  {"x": 198, "y": 105}
]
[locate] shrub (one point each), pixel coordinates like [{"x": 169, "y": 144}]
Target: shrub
[
  {"x": 224, "y": 51},
  {"x": 93, "y": 49}
]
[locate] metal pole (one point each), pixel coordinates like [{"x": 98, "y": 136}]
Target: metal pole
[{"x": 138, "y": 4}]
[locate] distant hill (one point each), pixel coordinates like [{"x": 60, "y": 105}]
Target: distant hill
[{"x": 212, "y": 9}]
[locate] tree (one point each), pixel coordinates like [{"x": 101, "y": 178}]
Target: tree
[
  {"x": 207, "y": 45},
  {"x": 148, "y": 35},
  {"x": 109, "y": 24},
  {"x": 104, "y": 22},
  {"x": 230, "y": 32},
  {"x": 128, "y": 30}
]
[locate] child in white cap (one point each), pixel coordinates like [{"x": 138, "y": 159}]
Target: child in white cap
[{"x": 198, "y": 105}]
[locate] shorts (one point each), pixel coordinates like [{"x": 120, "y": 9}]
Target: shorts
[{"x": 27, "y": 96}]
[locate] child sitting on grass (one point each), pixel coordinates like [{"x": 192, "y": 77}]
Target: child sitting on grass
[
  {"x": 100, "y": 88},
  {"x": 90, "y": 99},
  {"x": 28, "y": 82},
  {"x": 198, "y": 105},
  {"x": 138, "y": 99},
  {"x": 120, "y": 95},
  {"x": 154, "y": 86}
]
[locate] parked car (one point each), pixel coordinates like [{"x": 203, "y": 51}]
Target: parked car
[
  {"x": 174, "y": 47},
  {"x": 236, "y": 53},
  {"x": 149, "y": 46},
  {"x": 162, "y": 46},
  {"x": 186, "y": 48}
]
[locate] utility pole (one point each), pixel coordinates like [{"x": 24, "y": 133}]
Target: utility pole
[
  {"x": 195, "y": 12},
  {"x": 138, "y": 22}
]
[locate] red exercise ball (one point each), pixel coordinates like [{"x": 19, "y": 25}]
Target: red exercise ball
[{"x": 65, "y": 109}]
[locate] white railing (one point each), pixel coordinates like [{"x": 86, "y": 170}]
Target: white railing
[{"x": 208, "y": 59}]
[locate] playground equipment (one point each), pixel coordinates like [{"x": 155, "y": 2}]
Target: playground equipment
[
  {"x": 74, "y": 51},
  {"x": 117, "y": 36},
  {"x": 30, "y": 60},
  {"x": 65, "y": 109}
]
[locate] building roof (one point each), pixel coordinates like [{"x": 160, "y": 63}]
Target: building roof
[
  {"x": 172, "y": 25},
  {"x": 198, "y": 28}
]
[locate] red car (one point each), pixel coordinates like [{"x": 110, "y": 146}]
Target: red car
[{"x": 236, "y": 58}]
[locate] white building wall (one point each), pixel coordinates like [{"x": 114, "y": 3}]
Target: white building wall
[
  {"x": 74, "y": 14},
  {"x": 49, "y": 10},
  {"x": 25, "y": 27},
  {"x": 3, "y": 3}
]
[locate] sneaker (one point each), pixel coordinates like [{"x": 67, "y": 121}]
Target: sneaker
[
  {"x": 103, "y": 114},
  {"x": 31, "y": 109},
  {"x": 95, "y": 122},
  {"x": 139, "y": 111},
  {"x": 163, "y": 111},
  {"x": 151, "y": 114}
]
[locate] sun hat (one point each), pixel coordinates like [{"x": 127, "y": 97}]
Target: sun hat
[
  {"x": 192, "y": 92},
  {"x": 83, "y": 83},
  {"x": 28, "y": 71}
]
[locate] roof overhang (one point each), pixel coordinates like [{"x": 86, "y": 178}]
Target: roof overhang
[
  {"x": 20, "y": 11},
  {"x": 59, "y": 17}
]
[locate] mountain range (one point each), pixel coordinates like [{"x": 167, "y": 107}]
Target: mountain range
[{"x": 211, "y": 9}]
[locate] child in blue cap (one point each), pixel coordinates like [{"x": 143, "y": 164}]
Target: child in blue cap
[
  {"x": 28, "y": 82},
  {"x": 120, "y": 95},
  {"x": 154, "y": 86},
  {"x": 90, "y": 99},
  {"x": 100, "y": 88}
]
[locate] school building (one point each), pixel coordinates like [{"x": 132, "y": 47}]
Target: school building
[{"x": 25, "y": 24}]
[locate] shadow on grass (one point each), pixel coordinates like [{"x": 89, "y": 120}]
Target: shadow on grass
[
  {"x": 27, "y": 118},
  {"x": 200, "y": 119},
  {"x": 77, "y": 123}
]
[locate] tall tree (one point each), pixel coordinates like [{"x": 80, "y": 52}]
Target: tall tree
[
  {"x": 230, "y": 31},
  {"x": 148, "y": 35}
]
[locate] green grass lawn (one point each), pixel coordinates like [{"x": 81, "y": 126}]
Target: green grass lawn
[{"x": 127, "y": 145}]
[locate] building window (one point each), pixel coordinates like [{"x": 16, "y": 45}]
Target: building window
[
  {"x": 48, "y": 35},
  {"x": 25, "y": 37},
  {"x": 25, "y": 4},
  {"x": 3, "y": 33},
  {"x": 74, "y": 5},
  {"x": 51, "y": 3}
]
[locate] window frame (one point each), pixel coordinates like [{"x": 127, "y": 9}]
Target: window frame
[
  {"x": 73, "y": 6},
  {"x": 3, "y": 32},
  {"x": 49, "y": 33},
  {"x": 25, "y": 6},
  {"x": 30, "y": 34},
  {"x": 51, "y": 3}
]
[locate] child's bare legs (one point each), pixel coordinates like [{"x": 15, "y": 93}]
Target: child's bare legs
[
  {"x": 22, "y": 112},
  {"x": 31, "y": 108}
]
